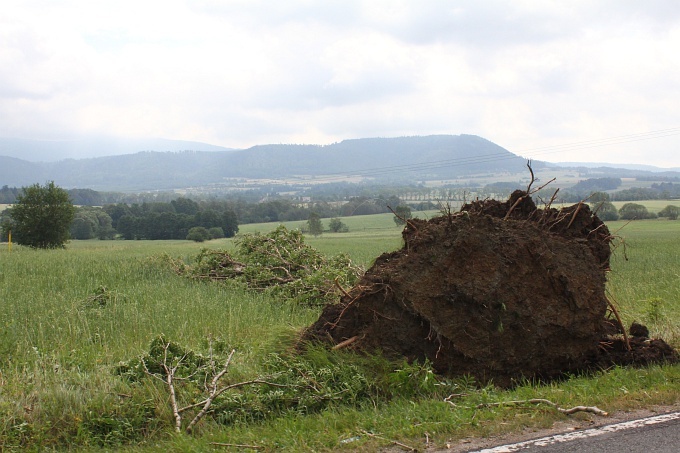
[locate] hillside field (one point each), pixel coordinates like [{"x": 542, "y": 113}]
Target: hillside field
[{"x": 60, "y": 343}]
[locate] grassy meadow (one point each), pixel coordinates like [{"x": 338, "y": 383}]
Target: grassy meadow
[
  {"x": 60, "y": 345},
  {"x": 652, "y": 205}
]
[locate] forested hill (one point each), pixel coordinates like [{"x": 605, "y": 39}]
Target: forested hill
[{"x": 412, "y": 158}]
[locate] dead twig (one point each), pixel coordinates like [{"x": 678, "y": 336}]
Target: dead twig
[
  {"x": 552, "y": 199},
  {"x": 376, "y": 436},
  {"x": 337, "y": 283},
  {"x": 454, "y": 395},
  {"x": 344, "y": 309},
  {"x": 618, "y": 318},
  {"x": 518, "y": 201},
  {"x": 576, "y": 211},
  {"x": 591, "y": 409},
  {"x": 531, "y": 170},
  {"x": 252, "y": 447},
  {"x": 405, "y": 220},
  {"x": 543, "y": 186},
  {"x": 344, "y": 344}
]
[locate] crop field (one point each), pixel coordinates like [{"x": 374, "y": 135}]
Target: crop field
[
  {"x": 69, "y": 318},
  {"x": 652, "y": 205}
]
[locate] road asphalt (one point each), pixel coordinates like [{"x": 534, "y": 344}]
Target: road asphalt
[{"x": 658, "y": 434}]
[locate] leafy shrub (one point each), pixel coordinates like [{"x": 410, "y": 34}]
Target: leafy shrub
[
  {"x": 630, "y": 211},
  {"x": 190, "y": 365},
  {"x": 670, "y": 211},
  {"x": 216, "y": 233},
  {"x": 198, "y": 234},
  {"x": 606, "y": 211},
  {"x": 337, "y": 226},
  {"x": 101, "y": 297},
  {"x": 300, "y": 383}
]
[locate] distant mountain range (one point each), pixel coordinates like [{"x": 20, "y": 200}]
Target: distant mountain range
[
  {"x": 168, "y": 164},
  {"x": 80, "y": 148},
  {"x": 412, "y": 158}
]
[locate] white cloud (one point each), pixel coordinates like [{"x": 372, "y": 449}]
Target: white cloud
[{"x": 524, "y": 74}]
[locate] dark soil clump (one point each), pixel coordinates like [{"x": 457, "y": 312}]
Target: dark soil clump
[{"x": 500, "y": 291}]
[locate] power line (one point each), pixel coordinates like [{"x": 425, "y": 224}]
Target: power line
[
  {"x": 495, "y": 157},
  {"x": 606, "y": 141}
]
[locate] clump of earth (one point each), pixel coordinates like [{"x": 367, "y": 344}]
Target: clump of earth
[{"x": 500, "y": 291}]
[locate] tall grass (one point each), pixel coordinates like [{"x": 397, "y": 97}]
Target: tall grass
[
  {"x": 60, "y": 341},
  {"x": 645, "y": 277}
]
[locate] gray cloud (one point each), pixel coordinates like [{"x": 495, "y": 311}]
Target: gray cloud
[{"x": 237, "y": 73}]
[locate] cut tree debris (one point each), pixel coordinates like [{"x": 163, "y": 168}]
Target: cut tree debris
[{"x": 279, "y": 262}]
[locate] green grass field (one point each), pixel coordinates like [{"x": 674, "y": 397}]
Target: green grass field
[
  {"x": 652, "y": 205},
  {"x": 59, "y": 346}
]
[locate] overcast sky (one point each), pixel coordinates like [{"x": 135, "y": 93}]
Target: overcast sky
[{"x": 527, "y": 75}]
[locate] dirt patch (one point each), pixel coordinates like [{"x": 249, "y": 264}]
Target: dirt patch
[{"x": 499, "y": 291}]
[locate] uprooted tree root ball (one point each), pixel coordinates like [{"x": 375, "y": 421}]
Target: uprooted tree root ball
[{"x": 500, "y": 291}]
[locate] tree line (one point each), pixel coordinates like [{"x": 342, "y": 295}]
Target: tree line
[{"x": 182, "y": 217}]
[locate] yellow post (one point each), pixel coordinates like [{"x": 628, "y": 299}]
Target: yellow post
[{"x": 9, "y": 246}]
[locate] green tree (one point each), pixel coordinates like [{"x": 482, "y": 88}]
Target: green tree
[
  {"x": 401, "y": 214},
  {"x": 630, "y": 211},
  {"x": 314, "y": 224},
  {"x": 198, "y": 234},
  {"x": 41, "y": 216},
  {"x": 128, "y": 226},
  {"x": 104, "y": 228},
  {"x": 337, "y": 226},
  {"x": 82, "y": 226},
  {"x": 229, "y": 223},
  {"x": 605, "y": 210},
  {"x": 598, "y": 197},
  {"x": 670, "y": 211},
  {"x": 185, "y": 206}
]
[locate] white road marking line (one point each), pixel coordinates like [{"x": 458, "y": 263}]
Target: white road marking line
[{"x": 543, "y": 441}]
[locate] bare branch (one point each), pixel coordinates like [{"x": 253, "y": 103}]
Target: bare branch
[
  {"x": 543, "y": 186},
  {"x": 337, "y": 283},
  {"x": 532, "y": 175},
  {"x": 618, "y": 318},
  {"x": 407, "y": 447},
  {"x": 591, "y": 409},
  {"x": 346, "y": 343},
  {"x": 169, "y": 376},
  {"x": 252, "y": 447}
]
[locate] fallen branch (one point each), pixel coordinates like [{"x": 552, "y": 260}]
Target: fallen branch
[
  {"x": 591, "y": 409},
  {"x": 170, "y": 378},
  {"x": 454, "y": 395},
  {"x": 169, "y": 381}
]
